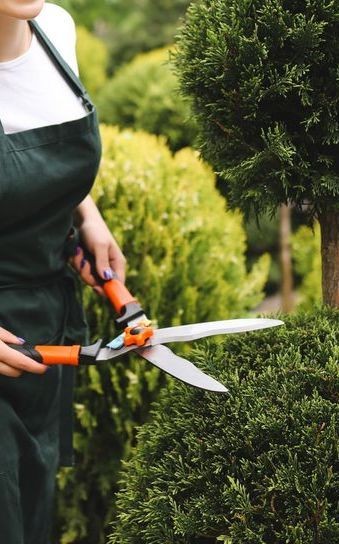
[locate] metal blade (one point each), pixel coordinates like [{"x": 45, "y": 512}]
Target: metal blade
[
  {"x": 106, "y": 354},
  {"x": 195, "y": 331},
  {"x": 180, "y": 368}
]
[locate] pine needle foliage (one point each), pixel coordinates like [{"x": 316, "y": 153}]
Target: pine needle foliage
[
  {"x": 257, "y": 467},
  {"x": 263, "y": 75},
  {"x": 185, "y": 264}
]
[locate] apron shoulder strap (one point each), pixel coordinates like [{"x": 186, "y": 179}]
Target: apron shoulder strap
[{"x": 62, "y": 66}]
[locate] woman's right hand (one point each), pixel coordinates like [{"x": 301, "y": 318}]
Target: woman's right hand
[{"x": 13, "y": 363}]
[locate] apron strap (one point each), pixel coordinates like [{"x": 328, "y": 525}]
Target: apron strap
[
  {"x": 65, "y": 70},
  {"x": 62, "y": 66}
]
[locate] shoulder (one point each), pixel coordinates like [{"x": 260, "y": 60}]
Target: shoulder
[
  {"x": 59, "y": 26},
  {"x": 55, "y": 20}
]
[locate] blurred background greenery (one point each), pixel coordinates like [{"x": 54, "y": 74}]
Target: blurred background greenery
[{"x": 190, "y": 258}]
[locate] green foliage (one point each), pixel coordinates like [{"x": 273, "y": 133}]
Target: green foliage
[
  {"x": 144, "y": 95},
  {"x": 307, "y": 259},
  {"x": 264, "y": 237},
  {"x": 185, "y": 264},
  {"x": 144, "y": 25},
  {"x": 92, "y": 56},
  {"x": 255, "y": 467},
  {"x": 263, "y": 75},
  {"x": 129, "y": 27}
]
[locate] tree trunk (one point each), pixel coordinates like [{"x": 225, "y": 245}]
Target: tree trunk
[
  {"x": 287, "y": 301},
  {"x": 329, "y": 225}
]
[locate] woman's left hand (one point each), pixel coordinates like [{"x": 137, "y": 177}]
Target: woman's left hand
[{"x": 96, "y": 238}]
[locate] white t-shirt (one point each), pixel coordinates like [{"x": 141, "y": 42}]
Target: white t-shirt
[{"x": 33, "y": 93}]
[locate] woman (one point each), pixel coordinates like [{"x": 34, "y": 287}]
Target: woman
[{"x": 49, "y": 156}]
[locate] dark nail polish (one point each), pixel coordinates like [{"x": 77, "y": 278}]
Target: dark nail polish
[
  {"x": 83, "y": 262},
  {"x": 108, "y": 274},
  {"x": 78, "y": 249}
]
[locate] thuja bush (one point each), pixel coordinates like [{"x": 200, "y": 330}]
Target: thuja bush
[
  {"x": 263, "y": 76},
  {"x": 144, "y": 95},
  {"x": 307, "y": 263},
  {"x": 255, "y": 467},
  {"x": 186, "y": 263}
]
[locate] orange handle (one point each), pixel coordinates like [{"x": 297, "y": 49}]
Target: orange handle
[
  {"x": 56, "y": 355},
  {"x": 118, "y": 294}
]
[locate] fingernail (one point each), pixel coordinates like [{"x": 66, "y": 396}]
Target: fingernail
[
  {"x": 83, "y": 262},
  {"x": 21, "y": 340},
  {"x": 78, "y": 249},
  {"x": 108, "y": 274}
]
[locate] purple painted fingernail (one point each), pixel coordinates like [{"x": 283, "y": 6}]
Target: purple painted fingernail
[
  {"x": 108, "y": 274},
  {"x": 83, "y": 262},
  {"x": 21, "y": 340},
  {"x": 78, "y": 249}
]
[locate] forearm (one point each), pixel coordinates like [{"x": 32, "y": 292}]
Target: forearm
[
  {"x": 87, "y": 212},
  {"x": 96, "y": 238}
]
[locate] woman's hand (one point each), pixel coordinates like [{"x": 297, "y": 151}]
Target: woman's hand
[
  {"x": 96, "y": 238},
  {"x": 13, "y": 363}
]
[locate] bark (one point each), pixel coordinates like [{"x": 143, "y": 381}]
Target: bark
[
  {"x": 287, "y": 301},
  {"x": 329, "y": 225}
]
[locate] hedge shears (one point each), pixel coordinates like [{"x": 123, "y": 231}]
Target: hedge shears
[{"x": 139, "y": 336}]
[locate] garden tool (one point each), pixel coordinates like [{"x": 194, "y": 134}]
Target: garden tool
[{"x": 142, "y": 338}]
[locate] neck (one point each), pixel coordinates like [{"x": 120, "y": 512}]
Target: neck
[{"x": 15, "y": 38}]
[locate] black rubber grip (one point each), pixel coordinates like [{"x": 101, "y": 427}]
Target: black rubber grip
[{"x": 28, "y": 350}]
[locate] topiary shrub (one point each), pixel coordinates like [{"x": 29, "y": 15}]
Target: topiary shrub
[
  {"x": 186, "y": 263},
  {"x": 263, "y": 79},
  {"x": 144, "y": 95},
  {"x": 307, "y": 262},
  {"x": 255, "y": 467}
]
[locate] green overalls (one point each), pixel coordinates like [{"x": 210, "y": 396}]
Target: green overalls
[{"x": 44, "y": 174}]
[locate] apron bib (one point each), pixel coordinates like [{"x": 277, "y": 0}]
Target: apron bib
[{"x": 44, "y": 174}]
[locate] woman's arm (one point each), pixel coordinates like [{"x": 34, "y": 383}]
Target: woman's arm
[{"x": 96, "y": 238}]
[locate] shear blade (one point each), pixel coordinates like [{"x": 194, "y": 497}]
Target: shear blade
[
  {"x": 163, "y": 358},
  {"x": 184, "y": 333}
]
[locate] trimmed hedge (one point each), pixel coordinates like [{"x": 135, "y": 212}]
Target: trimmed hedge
[
  {"x": 144, "y": 95},
  {"x": 186, "y": 263},
  {"x": 257, "y": 467},
  {"x": 263, "y": 78}
]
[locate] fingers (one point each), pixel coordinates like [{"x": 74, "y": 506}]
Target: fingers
[
  {"x": 13, "y": 363},
  {"x": 8, "y": 337},
  {"x": 108, "y": 259},
  {"x": 9, "y": 371},
  {"x": 83, "y": 267},
  {"x": 117, "y": 261}
]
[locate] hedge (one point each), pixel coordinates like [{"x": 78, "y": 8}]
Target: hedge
[
  {"x": 186, "y": 263},
  {"x": 256, "y": 467},
  {"x": 92, "y": 55},
  {"x": 144, "y": 95}
]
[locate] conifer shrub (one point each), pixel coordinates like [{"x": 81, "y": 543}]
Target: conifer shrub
[
  {"x": 263, "y": 77},
  {"x": 256, "y": 467},
  {"x": 307, "y": 263},
  {"x": 143, "y": 95},
  {"x": 186, "y": 263}
]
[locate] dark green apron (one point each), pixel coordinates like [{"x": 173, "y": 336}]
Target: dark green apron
[{"x": 44, "y": 174}]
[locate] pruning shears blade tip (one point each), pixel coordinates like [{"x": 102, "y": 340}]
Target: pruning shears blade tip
[{"x": 178, "y": 367}]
